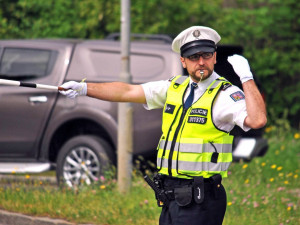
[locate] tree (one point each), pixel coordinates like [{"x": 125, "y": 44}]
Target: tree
[{"x": 269, "y": 31}]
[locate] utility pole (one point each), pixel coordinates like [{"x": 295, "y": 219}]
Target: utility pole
[{"x": 125, "y": 111}]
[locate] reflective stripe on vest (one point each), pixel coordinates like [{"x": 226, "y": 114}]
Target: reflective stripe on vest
[
  {"x": 190, "y": 140},
  {"x": 200, "y": 166},
  {"x": 198, "y": 148}
]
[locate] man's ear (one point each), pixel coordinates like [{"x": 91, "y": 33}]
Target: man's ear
[
  {"x": 215, "y": 59},
  {"x": 183, "y": 62}
]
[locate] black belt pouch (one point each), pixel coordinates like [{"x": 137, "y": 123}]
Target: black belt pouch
[
  {"x": 198, "y": 186},
  {"x": 183, "y": 195}
]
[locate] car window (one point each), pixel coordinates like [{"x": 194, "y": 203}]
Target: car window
[
  {"x": 142, "y": 65},
  {"x": 26, "y": 63},
  {"x": 104, "y": 65}
]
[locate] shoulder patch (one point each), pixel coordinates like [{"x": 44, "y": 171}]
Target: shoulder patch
[
  {"x": 225, "y": 86},
  {"x": 237, "y": 96}
]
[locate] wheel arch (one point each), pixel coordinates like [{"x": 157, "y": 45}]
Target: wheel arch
[
  {"x": 84, "y": 122},
  {"x": 74, "y": 128}
]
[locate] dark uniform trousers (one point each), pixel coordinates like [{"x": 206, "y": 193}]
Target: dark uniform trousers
[{"x": 210, "y": 212}]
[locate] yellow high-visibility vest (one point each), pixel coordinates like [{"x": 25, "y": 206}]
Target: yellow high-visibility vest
[{"x": 191, "y": 145}]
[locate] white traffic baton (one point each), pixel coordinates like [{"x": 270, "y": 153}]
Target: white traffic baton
[{"x": 30, "y": 85}]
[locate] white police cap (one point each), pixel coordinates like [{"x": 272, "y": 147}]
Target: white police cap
[{"x": 196, "y": 39}]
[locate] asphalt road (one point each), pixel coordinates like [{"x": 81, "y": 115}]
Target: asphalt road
[{"x": 10, "y": 218}]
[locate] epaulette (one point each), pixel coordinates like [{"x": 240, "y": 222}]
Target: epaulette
[
  {"x": 181, "y": 79},
  {"x": 172, "y": 78},
  {"x": 225, "y": 86}
]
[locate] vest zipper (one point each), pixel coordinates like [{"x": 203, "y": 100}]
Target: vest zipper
[{"x": 174, "y": 141}]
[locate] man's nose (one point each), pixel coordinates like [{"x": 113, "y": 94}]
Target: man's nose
[{"x": 201, "y": 60}]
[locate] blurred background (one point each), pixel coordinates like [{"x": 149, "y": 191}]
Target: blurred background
[
  {"x": 268, "y": 30},
  {"x": 263, "y": 191}
]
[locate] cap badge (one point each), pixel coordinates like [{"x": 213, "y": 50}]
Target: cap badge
[{"x": 196, "y": 33}]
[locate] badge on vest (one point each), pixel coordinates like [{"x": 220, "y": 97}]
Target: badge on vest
[
  {"x": 237, "y": 96},
  {"x": 199, "y": 111},
  {"x": 169, "y": 108},
  {"x": 197, "y": 119}
]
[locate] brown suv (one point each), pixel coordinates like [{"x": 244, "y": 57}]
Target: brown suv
[{"x": 40, "y": 128}]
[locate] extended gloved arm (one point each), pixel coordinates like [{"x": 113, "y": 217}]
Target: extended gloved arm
[
  {"x": 114, "y": 91},
  {"x": 256, "y": 109},
  {"x": 74, "y": 89}
]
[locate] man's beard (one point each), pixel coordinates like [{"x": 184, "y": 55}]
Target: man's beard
[{"x": 201, "y": 78}]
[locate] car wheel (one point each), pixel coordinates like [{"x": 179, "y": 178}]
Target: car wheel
[{"x": 82, "y": 160}]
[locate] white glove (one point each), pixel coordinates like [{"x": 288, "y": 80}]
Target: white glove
[
  {"x": 241, "y": 67},
  {"x": 75, "y": 89}
]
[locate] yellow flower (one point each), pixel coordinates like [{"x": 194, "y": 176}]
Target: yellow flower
[
  {"x": 102, "y": 187},
  {"x": 289, "y": 208},
  {"x": 279, "y": 168},
  {"x": 282, "y": 147},
  {"x": 289, "y": 174},
  {"x": 245, "y": 166},
  {"x": 268, "y": 129},
  {"x": 273, "y": 166},
  {"x": 297, "y": 136},
  {"x": 276, "y": 152},
  {"x": 286, "y": 182},
  {"x": 229, "y": 203},
  {"x": 27, "y": 176},
  {"x": 280, "y": 174},
  {"x": 296, "y": 176},
  {"x": 263, "y": 164},
  {"x": 13, "y": 172},
  {"x": 271, "y": 179},
  {"x": 246, "y": 181}
]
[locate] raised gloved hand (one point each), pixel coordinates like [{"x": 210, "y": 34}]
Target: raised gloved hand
[
  {"x": 241, "y": 67},
  {"x": 75, "y": 89}
]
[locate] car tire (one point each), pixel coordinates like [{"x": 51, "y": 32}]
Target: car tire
[{"x": 82, "y": 160}]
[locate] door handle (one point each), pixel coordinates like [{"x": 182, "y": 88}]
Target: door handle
[{"x": 38, "y": 99}]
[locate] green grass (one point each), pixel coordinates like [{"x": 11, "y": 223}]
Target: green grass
[
  {"x": 263, "y": 191},
  {"x": 97, "y": 204},
  {"x": 266, "y": 190}
]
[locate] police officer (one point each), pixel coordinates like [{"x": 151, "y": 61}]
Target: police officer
[{"x": 199, "y": 111}]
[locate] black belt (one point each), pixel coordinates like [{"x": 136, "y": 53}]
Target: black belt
[
  {"x": 183, "y": 191},
  {"x": 169, "y": 183},
  {"x": 171, "y": 195},
  {"x": 167, "y": 180}
]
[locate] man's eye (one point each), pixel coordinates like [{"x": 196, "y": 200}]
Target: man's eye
[{"x": 194, "y": 57}]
